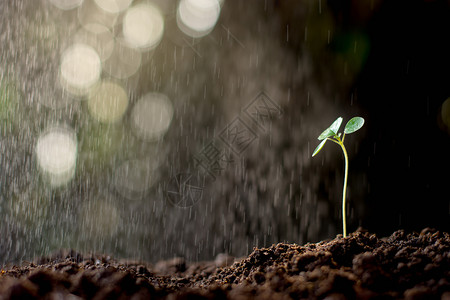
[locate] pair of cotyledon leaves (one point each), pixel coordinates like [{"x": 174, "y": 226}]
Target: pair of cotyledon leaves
[{"x": 353, "y": 125}]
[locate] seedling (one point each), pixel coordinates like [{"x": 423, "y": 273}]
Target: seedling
[{"x": 331, "y": 134}]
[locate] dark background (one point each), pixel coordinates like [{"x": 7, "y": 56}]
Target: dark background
[
  {"x": 401, "y": 87},
  {"x": 410, "y": 165}
]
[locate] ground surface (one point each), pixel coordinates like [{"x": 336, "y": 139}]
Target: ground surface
[{"x": 361, "y": 266}]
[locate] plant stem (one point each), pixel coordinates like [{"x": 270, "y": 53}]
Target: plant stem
[
  {"x": 340, "y": 142},
  {"x": 344, "y": 219}
]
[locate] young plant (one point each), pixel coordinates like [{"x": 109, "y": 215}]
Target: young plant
[{"x": 331, "y": 134}]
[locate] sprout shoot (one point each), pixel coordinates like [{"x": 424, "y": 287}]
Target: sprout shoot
[{"x": 331, "y": 134}]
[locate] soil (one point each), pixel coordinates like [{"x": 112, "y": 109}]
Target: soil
[{"x": 360, "y": 266}]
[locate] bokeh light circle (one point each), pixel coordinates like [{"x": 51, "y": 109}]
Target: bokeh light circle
[
  {"x": 143, "y": 26},
  {"x": 113, "y": 6},
  {"x": 134, "y": 178},
  {"x": 445, "y": 113},
  {"x": 80, "y": 68},
  {"x": 124, "y": 61},
  {"x": 66, "y": 4},
  {"x": 99, "y": 37},
  {"x": 151, "y": 116},
  {"x": 56, "y": 152},
  {"x": 197, "y": 18},
  {"x": 108, "y": 102},
  {"x": 99, "y": 218}
]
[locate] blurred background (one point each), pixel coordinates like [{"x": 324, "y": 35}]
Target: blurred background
[{"x": 152, "y": 129}]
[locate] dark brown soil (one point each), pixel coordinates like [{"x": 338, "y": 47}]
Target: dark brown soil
[{"x": 361, "y": 266}]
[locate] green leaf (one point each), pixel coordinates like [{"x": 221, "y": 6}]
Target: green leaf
[
  {"x": 332, "y": 130},
  {"x": 319, "y": 147},
  {"x": 353, "y": 125},
  {"x": 336, "y": 124},
  {"x": 326, "y": 134}
]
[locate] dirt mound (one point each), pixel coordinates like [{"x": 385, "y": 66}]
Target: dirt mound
[{"x": 361, "y": 266}]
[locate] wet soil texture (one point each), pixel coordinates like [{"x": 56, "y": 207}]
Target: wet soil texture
[{"x": 360, "y": 266}]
